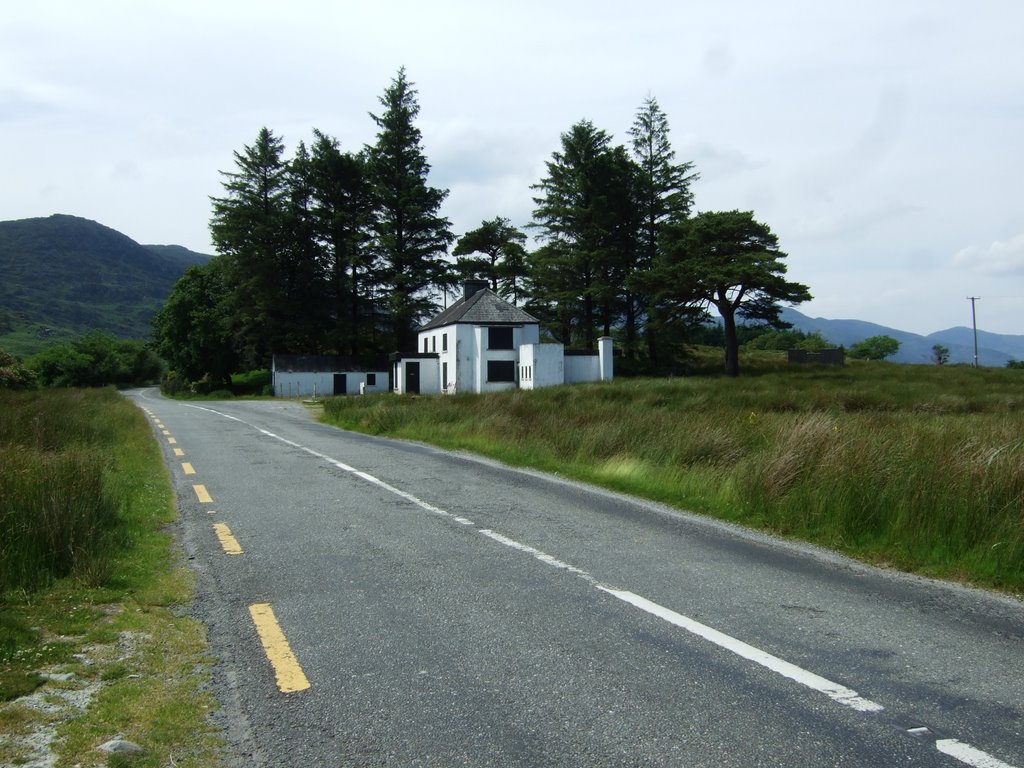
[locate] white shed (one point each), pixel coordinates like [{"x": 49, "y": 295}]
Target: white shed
[{"x": 323, "y": 376}]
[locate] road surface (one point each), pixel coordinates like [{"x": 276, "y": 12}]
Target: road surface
[{"x": 373, "y": 602}]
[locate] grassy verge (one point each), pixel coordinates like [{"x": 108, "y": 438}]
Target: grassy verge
[
  {"x": 93, "y": 642},
  {"x": 920, "y": 467}
]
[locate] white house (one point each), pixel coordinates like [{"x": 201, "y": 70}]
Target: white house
[
  {"x": 482, "y": 343},
  {"x": 322, "y": 376}
]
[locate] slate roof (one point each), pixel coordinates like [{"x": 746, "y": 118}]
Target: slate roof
[{"x": 484, "y": 307}]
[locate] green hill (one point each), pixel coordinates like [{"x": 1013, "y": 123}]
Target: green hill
[{"x": 61, "y": 276}]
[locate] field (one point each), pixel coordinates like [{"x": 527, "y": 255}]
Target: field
[
  {"x": 917, "y": 467},
  {"x": 91, "y": 590}
]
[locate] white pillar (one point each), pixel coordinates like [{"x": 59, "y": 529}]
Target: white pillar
[{"x": 604, "y": 353}]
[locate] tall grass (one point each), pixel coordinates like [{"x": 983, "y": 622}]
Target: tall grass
[
  {"x": 921, "y": 467},
  {"x": 62, "y": 505}
]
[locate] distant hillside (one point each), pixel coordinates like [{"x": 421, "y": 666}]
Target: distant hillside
[
  {"x": 64, "y": 275},
  {"x": 994, "y": 349}
]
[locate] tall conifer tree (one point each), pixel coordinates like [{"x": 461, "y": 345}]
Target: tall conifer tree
[
  {"x": 411, "y": 238},
  {"x": 664, "y": 195},
  {"x": 249, "y": 228}
]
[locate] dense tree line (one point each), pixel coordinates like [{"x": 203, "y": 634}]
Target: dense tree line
[{"x": 346, "y": 252}]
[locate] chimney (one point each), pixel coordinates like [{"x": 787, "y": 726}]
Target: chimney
[{"x": 472, "y": 287}]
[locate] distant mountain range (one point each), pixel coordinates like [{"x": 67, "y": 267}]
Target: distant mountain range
[
  {"x": 61, "y": 276},
  {"x": 994, "y": 349}
]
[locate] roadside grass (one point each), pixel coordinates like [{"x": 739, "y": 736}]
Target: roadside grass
[
  {"x": 103, "y": 608},
  {"x": 917, "y": 467}
]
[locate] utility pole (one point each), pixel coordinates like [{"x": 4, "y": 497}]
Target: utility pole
[{"x": 974, "y": 324}]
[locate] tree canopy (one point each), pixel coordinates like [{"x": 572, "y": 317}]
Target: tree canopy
[
  {"x": 874, "y": 348},
  {"x": 727, "y": 260},
  {"x": 334, "y": 251}
]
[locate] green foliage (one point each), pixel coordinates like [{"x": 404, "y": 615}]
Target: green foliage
[
  {"x": 587, "y": 216},
  {"x": 785, "y": 340},
  {"x": 191, "y": 331},
  {"x": 940, "y": 354},
  {"x": 504, "y": 262},
  {"x": 96, "y": 359},
  {"x": 874, "y": 348},
  {"x": 726, "y": 260},
  {"x": 13, "y": 374},
  {"x": 1019, "y": 364},
  {"x": 918, "y": 466},
  {"x": 410, "y": 237}
]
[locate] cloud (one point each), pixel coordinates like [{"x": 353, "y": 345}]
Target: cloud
[{"x": 1003, "y": 257}]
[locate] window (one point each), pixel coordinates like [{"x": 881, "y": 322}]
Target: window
[
  {"x": 499, "y": 337},
  {"x": 444, "y": 376},
  {"x": 501, "y": 370},
  {"x": 444, "y": 342},
  {"x": 433, "y": 343},
  {"x": 424, "y": 343},
  {"x": 371, "y": 379}
]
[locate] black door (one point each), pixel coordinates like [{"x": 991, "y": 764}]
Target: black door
[
  {"x": 412, "y": 378},
  {"x": 340, "y": 385}
]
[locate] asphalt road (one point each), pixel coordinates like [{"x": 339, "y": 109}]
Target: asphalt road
[{"x": 436, "y": 609}]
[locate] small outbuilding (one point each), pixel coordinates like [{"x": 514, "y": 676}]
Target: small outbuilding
[{"x": 324, "y": 375}]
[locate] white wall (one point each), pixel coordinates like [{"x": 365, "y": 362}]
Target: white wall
[
  {"x": 541, "y": 365},
  {"x": 579, "y": 368},
  {"x": 321, "y": 383}
]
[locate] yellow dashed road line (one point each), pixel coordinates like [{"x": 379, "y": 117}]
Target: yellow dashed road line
[
  {"x": 171, "y": 441},
  {"x": 202, "y": 493},
  {"x": 178, "y": 452},
  {"x": 290, "y": 677},
  {"x": 187, "y": 468},
  {"x": 227, "y": 539}
]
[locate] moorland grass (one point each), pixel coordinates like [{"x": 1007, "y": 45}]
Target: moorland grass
[
  {"x": 98, "y": 593},
  {"x": 920, "y": 467}
]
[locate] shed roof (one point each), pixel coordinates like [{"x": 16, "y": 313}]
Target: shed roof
[{"x": 484, "y": 307}]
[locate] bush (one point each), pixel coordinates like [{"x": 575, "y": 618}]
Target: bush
[
  {"x": 874, "y": 348},
  {"x": 14, "y": 375},
  {"x": 97, "y": 359}
]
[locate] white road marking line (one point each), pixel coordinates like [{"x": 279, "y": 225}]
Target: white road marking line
[
  {"x": 969, "y": 755},
  {"x": 834, "y": 691},
  {"x": 848, "y": 697}
]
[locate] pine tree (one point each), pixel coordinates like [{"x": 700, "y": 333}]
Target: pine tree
[
  {"x": 343, "y": 217},
  {"x": 410, "y": 237},
  {"x": 586, "y": 214},
  {"x": 664, "y": 198},
  {"x": 249, "y": 228},
  {"x": 503, "y": 263}
]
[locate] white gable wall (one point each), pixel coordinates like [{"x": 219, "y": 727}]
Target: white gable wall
[{"x": 541, "y": 365}]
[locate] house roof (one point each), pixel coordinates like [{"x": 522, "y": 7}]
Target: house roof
[{"x": 484, "y": 307}]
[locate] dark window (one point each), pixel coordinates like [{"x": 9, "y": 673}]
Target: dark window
[
  {"x": 444, "y": 342},
  {"x": 424, "y": 343},
  {"x": 501, "y": 370},
  {"x": 444, "y": 375},
  {"x": 433, "y": 343},
  {"x": 371, "y": 379},
  {"x": 499, "y": 337}
]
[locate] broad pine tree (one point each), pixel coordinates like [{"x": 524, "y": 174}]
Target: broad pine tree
[
  {"x": 726, "y": 260},
  {"x": 411, "y": 238},
  {"x": 503, "y": 260}
]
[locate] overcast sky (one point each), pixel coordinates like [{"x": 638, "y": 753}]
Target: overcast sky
[{"x": 883, "y": 142}]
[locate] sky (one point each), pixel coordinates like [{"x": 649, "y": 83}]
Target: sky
[{"x": 882, "y": 142}]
